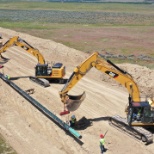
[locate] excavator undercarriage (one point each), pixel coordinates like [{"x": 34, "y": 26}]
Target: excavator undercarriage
[
  {"x": 139, "y": 133},
  {"x": 41, "y": 82}
]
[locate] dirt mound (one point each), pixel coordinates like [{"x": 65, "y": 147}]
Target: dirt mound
[
  {"x": 143, "y": 77},
  {"x": 28, "y": 131}
]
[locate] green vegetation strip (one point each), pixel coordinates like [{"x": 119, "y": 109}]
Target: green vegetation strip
[
  {"x": 115, "y": 7},
  {"x": 5, "y": 148},
  {"x": 61, "y": 23}
]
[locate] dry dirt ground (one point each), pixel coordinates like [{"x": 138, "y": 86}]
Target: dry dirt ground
[{"x": 29, "y": 132}]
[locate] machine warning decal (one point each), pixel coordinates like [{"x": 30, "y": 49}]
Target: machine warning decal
[{"x": 111, "y": 74}]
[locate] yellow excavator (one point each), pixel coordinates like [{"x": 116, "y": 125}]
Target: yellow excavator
[
  {"x": 139, "y": 113},
  {"x": 44, "y": 74}
]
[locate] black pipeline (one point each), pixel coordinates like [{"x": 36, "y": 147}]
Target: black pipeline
[{"x": 41, "y": 108}]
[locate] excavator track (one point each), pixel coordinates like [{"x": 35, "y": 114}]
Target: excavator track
[
  {"x": 42, "y": 82},
  {"x": 138, "y": 132}
]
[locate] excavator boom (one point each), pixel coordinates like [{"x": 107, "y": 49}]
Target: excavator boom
[
  {"x": 105, "y": 66},
  {"x": 17, "y": 41}
]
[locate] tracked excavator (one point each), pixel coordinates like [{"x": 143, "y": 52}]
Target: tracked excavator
[
  {"x": 139, "y": 113},
  {"x": 44, "y": 73}
]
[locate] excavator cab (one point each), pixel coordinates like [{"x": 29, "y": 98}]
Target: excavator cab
[
  {"x": 140, "y": 113},
  {"x": 56, "y": 72},
  {"x": 42, "y": 70}
]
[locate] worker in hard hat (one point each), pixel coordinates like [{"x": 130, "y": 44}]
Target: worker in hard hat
[
  {"x": 102, "y": 142},
  {"x": 73, "y": 121},
  {"x": 7, "y": 77}
]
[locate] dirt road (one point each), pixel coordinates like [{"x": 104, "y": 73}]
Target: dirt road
[{"x": 30, "y": 132}]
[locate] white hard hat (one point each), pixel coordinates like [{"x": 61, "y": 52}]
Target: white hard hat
[
  {"x": 150, "y": 101},
  {"x": 73, "y": 116}
]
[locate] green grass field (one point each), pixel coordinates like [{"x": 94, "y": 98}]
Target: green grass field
[
  {"x": 123, "y": 28},
  {"x": 115, "y": 7}
]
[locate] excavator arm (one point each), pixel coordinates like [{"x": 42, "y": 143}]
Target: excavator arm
[
  {"x": 103, "y": 65},
  {"x": 17, "y": 41}
]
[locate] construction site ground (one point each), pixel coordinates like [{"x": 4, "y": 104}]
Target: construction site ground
[{"x": 28, "y": 131}]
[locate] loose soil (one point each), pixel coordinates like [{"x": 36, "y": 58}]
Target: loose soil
[{"x": 29, "y": 132}]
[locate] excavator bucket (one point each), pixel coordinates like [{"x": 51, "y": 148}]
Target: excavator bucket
[
  {"x": 1, "y": 66},
  {"x": 3, "y": 60},
  {"x": 74, "y": 102}
]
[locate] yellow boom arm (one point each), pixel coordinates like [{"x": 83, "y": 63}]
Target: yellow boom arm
[
  {"x": 16, "y": 41},
  {"x": 105, "y": 66}
]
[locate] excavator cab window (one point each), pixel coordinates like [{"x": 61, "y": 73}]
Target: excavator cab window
[
  {"x": 140, "y": 112},
  {"x": 41, "y": 70},
  {"x": 148, "y": 116}
]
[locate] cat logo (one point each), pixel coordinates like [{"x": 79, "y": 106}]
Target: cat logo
[{"x": 111, "y": 74}]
